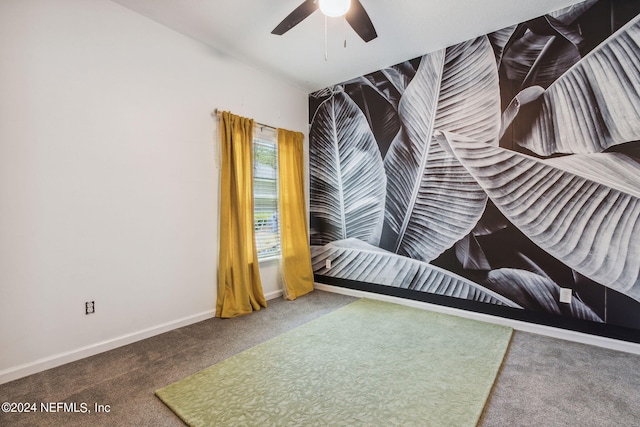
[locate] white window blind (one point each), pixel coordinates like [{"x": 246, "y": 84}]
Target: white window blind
[{"x": 265, "y": 193}]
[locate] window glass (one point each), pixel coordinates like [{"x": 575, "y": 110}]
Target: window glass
[{"x": 265, "y": 193}]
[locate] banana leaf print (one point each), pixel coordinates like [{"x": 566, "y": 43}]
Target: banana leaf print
[
  {"x": 347, "y": 174},
  {"x": 501, "y": 39},
  {"x": 570, "y": 14},
  {"x": 432, "y": 202},
  {"x": 355, "y": 260},
  {"x": 537, "y": 293},
  {"x": 594, "y": 105},
  {"x": 537, "y": 52},
  {"x": 583, "y": 210},
  {"x": 378, "y": 95},
  {"x": 390, "y": 83},
  {"x": 529, "y": 96},
  {"x": 545, "y": 51},
  {"x": 510, "y": 162},
  {"x": 469, "y": 251}
]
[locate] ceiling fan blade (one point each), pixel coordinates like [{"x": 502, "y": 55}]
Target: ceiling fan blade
[
  {"x": 359, "y": 20},
  {"x": 295, "y": 17}
]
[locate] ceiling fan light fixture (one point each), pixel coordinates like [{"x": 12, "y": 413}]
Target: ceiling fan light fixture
[{"x": 334, "y": 8}]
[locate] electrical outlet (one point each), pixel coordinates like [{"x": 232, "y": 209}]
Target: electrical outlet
[
  {"x": 327, "y": 264},
  {"x": 565, "y": 295},
  {"x": 89, "y": 307}
]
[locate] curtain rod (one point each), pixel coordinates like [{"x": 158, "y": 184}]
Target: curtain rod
[{"x": 218, "y": 113}]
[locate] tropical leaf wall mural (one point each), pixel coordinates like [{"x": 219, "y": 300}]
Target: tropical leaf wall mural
[
  {"x": 347, "y": 173},
  {"x": 592, "y": 106},
  {"x": 582, "y": 209},
  {"x": 497, "y": 171},
  {"x": 356, "y": 260},
  {"x": 432, "y": 202}
]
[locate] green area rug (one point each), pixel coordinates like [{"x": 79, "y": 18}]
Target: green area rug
[{"x": 369, "y": 363}]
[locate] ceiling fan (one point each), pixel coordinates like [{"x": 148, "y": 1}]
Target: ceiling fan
[{"x": 353, "y": 11}]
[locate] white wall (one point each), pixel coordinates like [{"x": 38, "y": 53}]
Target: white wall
[{"x": 108, "y": 184}]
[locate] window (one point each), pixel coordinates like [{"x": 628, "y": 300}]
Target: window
[{"x": 265, "y": 193}]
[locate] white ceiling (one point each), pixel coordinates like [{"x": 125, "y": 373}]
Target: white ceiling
[{"x": 406, "y": 29}]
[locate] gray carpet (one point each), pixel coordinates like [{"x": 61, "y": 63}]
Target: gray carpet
[
  {"x": 551, "y": 382},
  {"x": 544, "y": 381}
]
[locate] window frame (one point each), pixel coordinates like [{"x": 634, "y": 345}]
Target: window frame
[{"x": 267, "y": 138}]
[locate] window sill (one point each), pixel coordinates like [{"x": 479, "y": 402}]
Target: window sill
[{"x": 269, "y": 260}]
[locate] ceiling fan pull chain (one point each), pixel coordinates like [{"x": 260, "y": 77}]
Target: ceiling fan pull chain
[
  {"x": 344, "y": 28},
  {"x": 326, "y": 52}
]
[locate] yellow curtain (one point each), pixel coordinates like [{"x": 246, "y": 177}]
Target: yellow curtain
[
  {"x": 296, "y": 256},
  {"x": 239, "y": 286}
]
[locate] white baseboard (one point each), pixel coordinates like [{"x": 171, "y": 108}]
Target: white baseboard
[
  {"x": 49, "y": 362},
  {"x": 71, "y": 356},
  {"x": 93, "y": 349},
  {"x": 519, "y": 325},
  {"x": 273, "y": 295}
]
